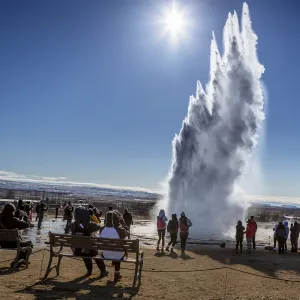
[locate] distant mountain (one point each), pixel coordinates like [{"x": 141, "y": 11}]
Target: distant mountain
[{"x": 77, "y": 189}]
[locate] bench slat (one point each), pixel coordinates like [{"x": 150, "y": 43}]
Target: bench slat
[
  {"x": 87, "y": 242},
  {"x": 9, "y": 235},
  {"x": 98, "y": 257}
]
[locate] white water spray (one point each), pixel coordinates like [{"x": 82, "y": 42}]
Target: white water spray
[{"x": 219, "y": 134}]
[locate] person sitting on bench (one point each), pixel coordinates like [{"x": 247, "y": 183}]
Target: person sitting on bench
[{"x": 9, "y": 221}]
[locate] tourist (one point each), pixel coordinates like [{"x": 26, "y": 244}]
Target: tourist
[
  {"x": 253, "y": 240},
  {"x": 280, "y": 236},
  {"x": 43, "y": 209},
  {"x": 84, "y": 226},
  {"x": 250, "y": 232},
  {"x": 172, "y": 228},
  {"x": 297, "y": 228},
  {"x": 239, "y": 236},
  {"x": 293, "y": 236},
  {"x": 286, "y": 225},
  {"x": 68, "y": 216},
  {"x": 274, "y": 237},
  {"x": 56, "y": 212},
  {"x": 37, "y": 210},
  {"x": 161, "y": 229},
  {"x": 184, "y": 225},
  {"x": 112, "y": 217},
  {"x": 112, "y": 231},
  {"x": 128, "y": 220},
  {"x": 9, "y": 221}
]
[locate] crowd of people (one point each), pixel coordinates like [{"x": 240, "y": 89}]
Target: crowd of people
[
  {"x": 281, "y": 235},
  {"x": 86, "y": 220},
  {"x": 174, "y": 225}
]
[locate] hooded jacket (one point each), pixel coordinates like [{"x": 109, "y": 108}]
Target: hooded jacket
[
  {"x": 280, "y": 231},
  {"x": 239, "y": 236},
  {"x": 161, "y": 220}
]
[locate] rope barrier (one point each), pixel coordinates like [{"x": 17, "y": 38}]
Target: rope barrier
[{"x": 178, "y": 271}]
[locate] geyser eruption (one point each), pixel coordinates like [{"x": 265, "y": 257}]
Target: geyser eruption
[{"x": 219, "y": 134}]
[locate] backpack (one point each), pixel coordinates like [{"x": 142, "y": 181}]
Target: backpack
[
  {"x": 184, "y": 225},
  {"x": 82, "y": 215},
  {"x": 160, "y": 223},
  {"x": 172, "y": 226}
]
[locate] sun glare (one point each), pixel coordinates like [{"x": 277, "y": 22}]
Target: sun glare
[{"x": 174, "y": 22}]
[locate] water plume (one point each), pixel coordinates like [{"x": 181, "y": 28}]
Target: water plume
[{"x": 219, "y": 134}]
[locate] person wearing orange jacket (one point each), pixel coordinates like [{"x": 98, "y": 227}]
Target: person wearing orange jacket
[{"x": 250, "y": 233}]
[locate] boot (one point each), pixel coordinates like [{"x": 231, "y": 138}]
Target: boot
[
  {"x": 167, "y": 248},
  {"x": 182, "y": 253},
  {"x": 157, "y": 248},
  {"x": 118, "y": 276}
]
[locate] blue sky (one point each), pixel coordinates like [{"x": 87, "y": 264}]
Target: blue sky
[{"x": 91, "y": 91}]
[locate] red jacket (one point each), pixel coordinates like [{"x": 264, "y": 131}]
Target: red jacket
[{"x": 251, "y": 229}]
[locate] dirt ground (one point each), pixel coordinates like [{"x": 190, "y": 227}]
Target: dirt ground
[{"x": 206, "y": 273}]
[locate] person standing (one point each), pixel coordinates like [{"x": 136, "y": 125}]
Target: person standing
[
  {"x": 56, "y": 212},
  {"x": 253, "y": 240},
  {"x": 274, "y": 237},
  {"x": 287, "y": 230},
  {"x": 250, "y": 232},
  {"x": 172, "y": 228},
  {"x": 161, "y": 229},
  {"x": 280, "y": 236},
  {"x": 43, "y": 209},
  {"x": 184, "y": 226},
  {"x": 68, "y": 216},
  {"x": 37, "y": 210},
  {"x": 128, "y": 220},
  {"x": 239, "y": 236},
  {"x": 293, "y": 238},
  {"x": 297, "y": 228}
]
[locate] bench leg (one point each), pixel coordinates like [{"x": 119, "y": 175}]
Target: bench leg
[
  {"x": 50, "y": 267},
  {"x": 136, "y": 273},
  {"x": 140, "y": 270},
  {"x": 58, "y": 265}
]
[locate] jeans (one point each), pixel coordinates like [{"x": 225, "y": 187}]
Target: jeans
[
  {"x": 281, "y": 241},
  {"x": 183, "y": 239},
  {"x": 173, "y": 241},
  {"x": 41, "y": 217},
  {"x": 67, "y": 229},
  {"x": 239, "y": 243},
  {"x": 249, "y": 244},
  {"x": 253, "y": 242},
  {"x": 161, "y": 237}
]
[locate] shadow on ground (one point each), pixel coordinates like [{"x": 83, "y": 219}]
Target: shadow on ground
[
  {"x": 81, "y": 288},
  {"x": 269, "y": 263}
]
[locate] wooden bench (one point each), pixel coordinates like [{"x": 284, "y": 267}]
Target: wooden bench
[
  {"x": 94, "y": 243},
  {"x": 12, "y": 235}
]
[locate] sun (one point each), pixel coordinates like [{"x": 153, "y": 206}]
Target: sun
[{"x": 174, "y": 22}]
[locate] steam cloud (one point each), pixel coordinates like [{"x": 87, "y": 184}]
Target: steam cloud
[{"x": 219, "y": 134}]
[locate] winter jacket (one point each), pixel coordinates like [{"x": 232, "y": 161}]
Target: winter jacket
[
  {"x": 280, "y": 231},
  {"x": 286, "y": 229},
  {"x": 293, "y": 234},
  {"x": 184, "y": 224},
  {"x": 250, "y": 230},
  {"x": 239, "y": 236},
  {"x": 161, "y": 220}
]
